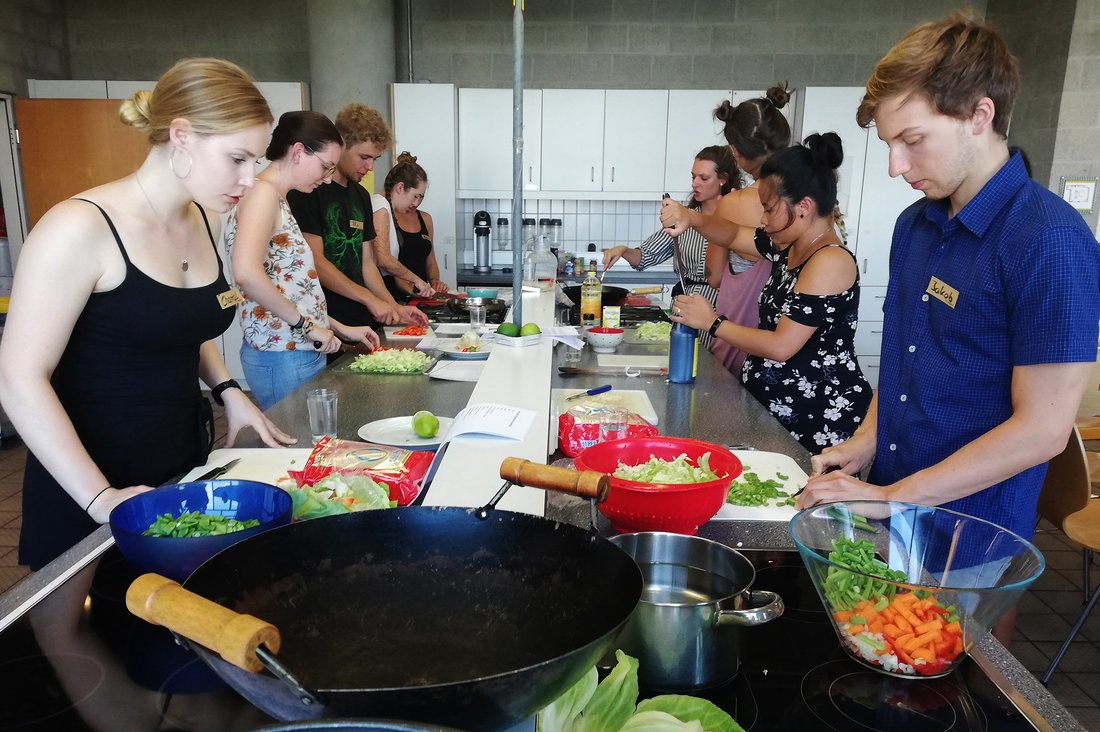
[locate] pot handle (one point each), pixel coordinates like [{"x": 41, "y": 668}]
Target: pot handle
[
  {"x": 651, "y": 290},
  {"x": 233, "y": 636},
  {"x": 583, "y": 483},
  {"x": 764, "y": 606}
]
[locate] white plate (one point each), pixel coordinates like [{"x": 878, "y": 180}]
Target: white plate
[
  {"x": 451, "y": 350},
  {"x": 398, "y": 432},
  {"x": 391, "y": 334}
]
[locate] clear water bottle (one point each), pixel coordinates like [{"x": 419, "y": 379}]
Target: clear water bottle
[
  {"x": 683, "y": 354},
  {"x": 540, "y": 267},
  {"x": 502, "y": 239},
  {"x": 530, "y": 231}
]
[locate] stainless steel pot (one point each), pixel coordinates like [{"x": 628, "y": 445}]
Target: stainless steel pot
[
  {"x": 462, "y": 304},
  {"x": 696, "y": 602}
]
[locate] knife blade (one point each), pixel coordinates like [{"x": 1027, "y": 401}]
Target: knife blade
[
  {"x": 613, "y": 370},
  {"x": 211, "y": 474}
]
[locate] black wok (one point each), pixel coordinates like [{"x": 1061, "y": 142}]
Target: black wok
[
  {"x": 460, "y": 617},
  {"x": 611, "y": 295}
]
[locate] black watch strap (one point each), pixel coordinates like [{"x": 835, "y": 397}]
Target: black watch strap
[
  {"x": 715, "y": 325},
  {"x": 216, "y": 392}
]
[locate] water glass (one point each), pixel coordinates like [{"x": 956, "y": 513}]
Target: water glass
[
  {"x": 613, "y": 425},
  {"x": 572, "y": 356},
  {"x": 322, "y": 413},
  {"x": 477, "y": 317}
]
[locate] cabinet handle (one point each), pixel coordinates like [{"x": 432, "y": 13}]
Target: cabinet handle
[
  {"x": 592, "y": 174},
  {"x": 880, "y": 297},
  {"x": 530, "y": 173},
  {"x": 445, "y": 265},
  {"x": 865, "y": 265},
  {"x": 876, "y": 332},
  {"x": 612, "y": 173}
]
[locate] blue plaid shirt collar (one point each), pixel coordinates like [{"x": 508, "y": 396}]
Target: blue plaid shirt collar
[{"x": 980, "y": 212}]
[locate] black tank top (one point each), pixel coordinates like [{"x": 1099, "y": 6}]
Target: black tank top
[
  {"x": 129, "y": 382},
  {"x": 415, "y": 248}
]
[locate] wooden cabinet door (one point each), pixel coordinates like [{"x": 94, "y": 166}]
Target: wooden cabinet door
[{"x": 69, "y": 145}]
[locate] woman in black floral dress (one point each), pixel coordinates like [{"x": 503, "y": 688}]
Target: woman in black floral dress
[{"x": 802, "y": 364}]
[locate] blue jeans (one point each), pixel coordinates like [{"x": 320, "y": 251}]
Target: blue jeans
[{"x": 274, "y": 374}]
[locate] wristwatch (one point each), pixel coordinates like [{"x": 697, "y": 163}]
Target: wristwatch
[
  {"x": 216, "y": 392},
  {"x": 714, "y": 326}
]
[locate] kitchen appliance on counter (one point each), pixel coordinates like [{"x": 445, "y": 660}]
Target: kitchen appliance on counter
[
  {"x": 794, "y": 675},
  {"x": 482, "y": 226}
]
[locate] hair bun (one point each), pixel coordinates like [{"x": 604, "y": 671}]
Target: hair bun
[
  {"x": 406, "y": 157},
  {"x": 778, "y": 95},
  {"x": 136, "y": 111},
  {"x": 826, "y": 149},
  {"x": 724, "y": 111}
]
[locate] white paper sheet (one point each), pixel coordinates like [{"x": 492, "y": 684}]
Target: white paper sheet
[{"x": 450, "y": 370}]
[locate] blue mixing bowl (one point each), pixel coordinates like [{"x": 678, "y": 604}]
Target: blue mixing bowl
[{"x": 178, "y": 557}]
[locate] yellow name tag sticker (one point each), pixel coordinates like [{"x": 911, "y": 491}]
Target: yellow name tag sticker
[
  {"x": 357, "y": 225},
  {"x": 230, "y": 298},
  {"x": 943, "y": 292}
]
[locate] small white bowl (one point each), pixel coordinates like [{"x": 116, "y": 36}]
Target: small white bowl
[{"x": 604, "y": 340}]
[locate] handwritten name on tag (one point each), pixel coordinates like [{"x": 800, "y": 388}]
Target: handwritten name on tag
[
  {"x": 357, "y": 225},
  {"x": 943, "y": 292},
  {"x": 230, "y": 298}
]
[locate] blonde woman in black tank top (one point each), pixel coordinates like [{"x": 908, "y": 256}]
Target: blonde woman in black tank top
[{"x": 115, "y": 302}]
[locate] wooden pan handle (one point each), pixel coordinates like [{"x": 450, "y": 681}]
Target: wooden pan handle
[
  {"x": 583, "y": 483},
  {"x": 233, "y": 636},
  {"x": 653, "y": 290}
]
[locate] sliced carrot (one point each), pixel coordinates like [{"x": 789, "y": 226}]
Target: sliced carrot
[
  {"x": 923, "y": 653},
  {"x": 891, "y": 631},
  {"x": 929, "y": 626},
  {"x": 958, "y": 645},
  {"x": 876, "y": 625},
  {"x": 889, "y": 613},
  {"x": 901, "y": 622},
  {"x": 954, "y": 628},
  {"x": 856, "y": 629},
  {"x": 903, "y": 656},
  {"x": 843, "y": 616},
  {"x": 929, "y": 638},
  {"x": 906, "y": 598},
  {"x": 903, "y": 641}
]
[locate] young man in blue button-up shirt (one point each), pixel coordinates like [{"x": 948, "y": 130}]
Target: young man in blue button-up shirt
[{"x": 991, "y": 313}]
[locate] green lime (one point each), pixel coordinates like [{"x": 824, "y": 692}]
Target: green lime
[
  {"x": 425, "y": 424},
  {"x": 508, "y": 329},
  {"x": 530, "y": 329}
]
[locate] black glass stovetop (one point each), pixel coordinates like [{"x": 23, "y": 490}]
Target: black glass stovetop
[{"x": 82, "y": 665}]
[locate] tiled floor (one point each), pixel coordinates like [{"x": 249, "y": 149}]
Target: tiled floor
[{"x": 1046, "y": 612}]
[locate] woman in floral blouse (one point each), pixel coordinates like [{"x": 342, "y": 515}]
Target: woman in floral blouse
[
  {"x": 801, "y": 364},
  {"x": 286, "y": 325}
]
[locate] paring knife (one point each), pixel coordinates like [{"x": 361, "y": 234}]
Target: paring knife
[
  {"x": 590, "y": 392},
  {"x": 211, "y": 474},
  {"x": 613, "y": 371}
]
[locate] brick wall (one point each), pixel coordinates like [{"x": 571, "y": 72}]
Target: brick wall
[{"x": 32, "y": 43}]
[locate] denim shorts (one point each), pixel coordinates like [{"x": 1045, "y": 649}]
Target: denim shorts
[{"x": 274, "y": 374}]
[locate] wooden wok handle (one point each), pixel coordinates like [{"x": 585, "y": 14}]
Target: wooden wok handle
[
  {"x": 233, "y": 636},
  {"x": 654, "y": 290},
  {"x": 583, "y": 483}
]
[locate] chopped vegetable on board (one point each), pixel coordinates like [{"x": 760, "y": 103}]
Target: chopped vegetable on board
[
  {"x": 750, "y": 490},
  {"x": 391, "y": 361}
]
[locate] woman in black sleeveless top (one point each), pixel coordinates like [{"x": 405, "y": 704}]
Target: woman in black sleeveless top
[{"x": 118, "y": 296}]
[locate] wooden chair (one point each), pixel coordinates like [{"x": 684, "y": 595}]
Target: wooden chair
[{"x": 1066, "y": 501}]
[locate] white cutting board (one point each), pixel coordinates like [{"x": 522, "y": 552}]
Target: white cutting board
[
  {"x": 632, "y": 400},
  {"x": 616, "y": 360},
  {"x": 768, "y": 466},
  {"x": 265, "y": 464}
]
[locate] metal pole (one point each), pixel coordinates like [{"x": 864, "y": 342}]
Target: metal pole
[{"x": 517, "y": 163}]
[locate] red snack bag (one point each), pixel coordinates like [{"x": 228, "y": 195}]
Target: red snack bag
[
  {"x": 401, "y": 470},
  {"x": 579, "y": 428}
]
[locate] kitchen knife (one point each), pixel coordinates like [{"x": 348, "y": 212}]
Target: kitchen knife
[
  {"x": 613, "y": 371},
  {"x": 590, "y": 392},
  {"x": 676, "y": 263},
  {"x": 211, "y": 474}
]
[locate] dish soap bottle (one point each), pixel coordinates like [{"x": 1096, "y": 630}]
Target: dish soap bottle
[
  {"x": 591, "y": 298},
  {"x": 683, "y": 354}
]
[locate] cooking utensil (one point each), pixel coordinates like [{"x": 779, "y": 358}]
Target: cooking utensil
[
  {"x": 696, "y": 602},
  {"x": 970, "y": 569},
  {"x": 676, "y": 263},
  {"x": 677, "y": 507},
  {"x": 611, "y": 295},
  {"x": 210, "y": 475},
  {"x": 462, "y": 305},
  {"x": 469, "y": 618},
  {"x": 611, "y": 371},
  {"x": 590, "y": 392}
]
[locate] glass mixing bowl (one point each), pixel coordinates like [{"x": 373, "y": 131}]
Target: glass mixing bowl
[{"x": 909, "y": 588}]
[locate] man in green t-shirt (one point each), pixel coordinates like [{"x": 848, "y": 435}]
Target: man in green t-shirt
[{"x": 338, "y": 223}]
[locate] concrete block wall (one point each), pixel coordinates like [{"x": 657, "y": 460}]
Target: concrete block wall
[
  {"x": 117, "y": 40},
  {"x": 632, "y": 44},
  {"x": 33, "y": 43},
  {"x": 1077, "y": 151}
]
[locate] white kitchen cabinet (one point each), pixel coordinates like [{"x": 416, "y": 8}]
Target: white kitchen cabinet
[
  {"x": 691, "y": 127},
  {"x": 572, "y": 139},
  {"x": 833, "y": 109},
  {"x": 424, "y": 117},
  {"x": 884, "y": 198},
  {"x": 635, "y": 128},
  {"x": 485, "y": 142}
]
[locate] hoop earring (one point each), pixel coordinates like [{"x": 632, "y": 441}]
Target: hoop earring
[{"x": 172, "y": 163}]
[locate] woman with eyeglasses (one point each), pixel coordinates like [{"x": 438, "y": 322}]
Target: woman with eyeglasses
[{"x": 287, "y": 330}]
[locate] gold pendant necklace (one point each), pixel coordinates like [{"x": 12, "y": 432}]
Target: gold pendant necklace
[{"x": 183, "y": 260}]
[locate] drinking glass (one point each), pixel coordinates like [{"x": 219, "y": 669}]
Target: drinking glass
[
  {"x": 322, "y": 413},
  {"x": 613, "y": 425},
  {"x": 572, "y": 356},
  {"x": 477, "y": 317}
]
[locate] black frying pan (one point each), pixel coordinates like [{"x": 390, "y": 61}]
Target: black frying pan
[
  {"x": 611, "y": 295},
  {"x": 473, "y": 619}
]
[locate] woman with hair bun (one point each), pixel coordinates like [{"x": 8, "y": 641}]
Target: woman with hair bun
[
  {"x": 284, "y": 316},
  {"x": 403, "y": 246},
  {"x": 801, "y": 363},
  {"x": 117, "y": 300}
]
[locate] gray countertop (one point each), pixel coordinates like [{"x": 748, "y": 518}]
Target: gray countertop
[{"x": 716, "y": 408}]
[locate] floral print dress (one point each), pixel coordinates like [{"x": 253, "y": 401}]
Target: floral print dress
[
  {"x": 819, "y": 394},
  {"x": 288, "y": 263}
]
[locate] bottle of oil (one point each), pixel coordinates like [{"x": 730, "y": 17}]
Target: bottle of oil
[{"x": 591, "y": 298}]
